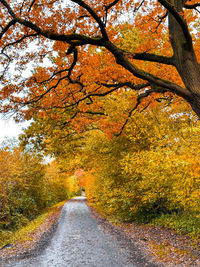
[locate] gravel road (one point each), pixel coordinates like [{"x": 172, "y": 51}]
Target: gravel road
[{"x": 80, "y": 241}]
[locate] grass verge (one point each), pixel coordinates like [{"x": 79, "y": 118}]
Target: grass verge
[
  {"x": 183, "y": 223},
  {"x": 26, "y": 236},
  {"x": 170, "y": 239}
]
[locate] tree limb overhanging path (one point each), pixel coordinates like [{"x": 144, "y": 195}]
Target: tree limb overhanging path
[
  {"x": 80, "y": 241},
  {"x": 74, "y": 30}
]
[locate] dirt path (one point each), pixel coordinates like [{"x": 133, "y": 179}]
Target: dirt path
[{"x": 80, "y": 241}]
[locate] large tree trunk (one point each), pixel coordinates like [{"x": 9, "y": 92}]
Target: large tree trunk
[{"x": 185, "y": 58}]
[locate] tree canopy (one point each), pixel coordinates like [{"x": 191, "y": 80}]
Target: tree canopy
[{"x": 82, "y": 51}]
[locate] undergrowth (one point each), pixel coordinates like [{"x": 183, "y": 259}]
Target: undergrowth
[
  {"x": 25, "y": 233},
  {"x": 183, "y": 223}
]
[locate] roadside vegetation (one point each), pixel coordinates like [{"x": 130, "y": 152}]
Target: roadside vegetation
[
  {"x": 150, "y": 174},
  {"x": 28, "y": 187},
  {"x": 30, "y": 233}
]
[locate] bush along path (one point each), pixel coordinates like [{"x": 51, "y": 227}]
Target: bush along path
[{"x": 29, "y": 240}]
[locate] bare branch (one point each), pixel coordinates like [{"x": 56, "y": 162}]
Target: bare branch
[
  {"x": 107, "y": 9},
  {"x": 75, "y": 53},
  {"x": 50, "y": 3},
  {"x": 194, "y": 6},
  {"x": 21, "y": 8},
  {"x": 69, "y": 70},
  {"x": 19, "y": 40},
  {"x": 161, "y": 18},
  {"x": 139, "y": 100},
  {"x": 31, "y": 5},
  {"x": 89, "y": 96},
  {"x": 137, "y": 8},
  {"x": 10, "y": 44},
  {"x": 51, "y": 77},
  {"x": 11, "y": 23},
  {"x": 38, "y": 98},
  {"x": 7, "y": 65},
  {"x": 111, "y": 5},
  {"x": 93, "y": 113}
]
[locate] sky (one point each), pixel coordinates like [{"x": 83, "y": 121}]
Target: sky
[{"x": 8, "y": 128}]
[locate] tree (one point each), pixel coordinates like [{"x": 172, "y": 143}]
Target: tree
[
  {"x": 166, "y": 61},
  {"x": 151, "y": 169}
]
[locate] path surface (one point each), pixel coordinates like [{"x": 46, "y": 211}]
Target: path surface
[{"x": 80, "y": 241}]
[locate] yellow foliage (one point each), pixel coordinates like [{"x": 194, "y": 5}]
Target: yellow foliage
[{"x": 154, "y": 166}]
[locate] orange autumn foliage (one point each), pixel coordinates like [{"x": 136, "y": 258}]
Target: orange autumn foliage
[{"x": 82, "y": 51}]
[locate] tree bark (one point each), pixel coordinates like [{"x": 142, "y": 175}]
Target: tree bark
[{"x": 184, "y": 56}]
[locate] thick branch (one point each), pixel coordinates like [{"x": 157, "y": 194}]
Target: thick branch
[
  {"x": 181, "y": 21},
  {"x": 121, "y": 60},
  {"x": 61, "y": 37},
  {"x": 111, "y": 5},
  {"x": 94, "y": 15},
  {"x": 128, "y": 84},
  {"x": 151, "y": 57},
  {"x": 7, "y": 6},
  {"x": 75, "y": 52},
  {"x": 69, "y": 38},
  {"x": 11, "y": 23},
  {"x": 194, "y": 6}
]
